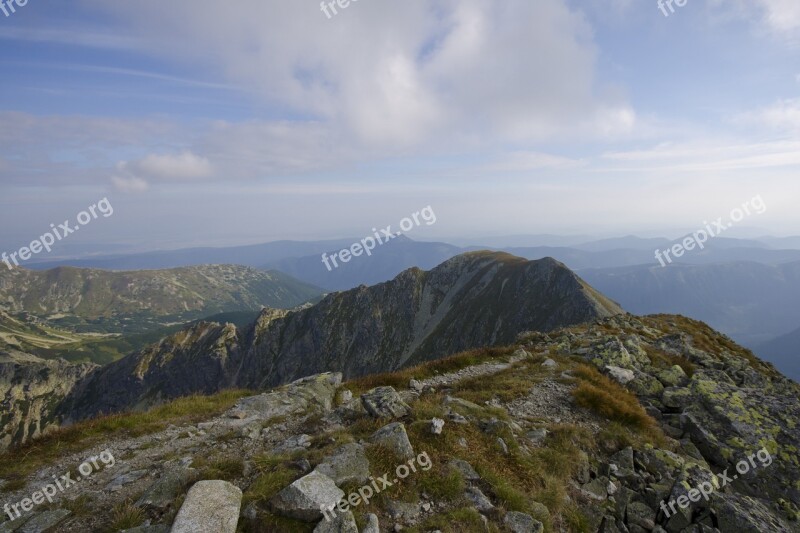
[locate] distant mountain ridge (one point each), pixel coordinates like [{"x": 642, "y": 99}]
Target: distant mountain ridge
[
  {"x": 473, "y": 300},
  {"x": 97, "y": 300},
  {"x": 784, "y": 352}
]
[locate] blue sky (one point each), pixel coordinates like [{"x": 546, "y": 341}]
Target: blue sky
[{"x": 208, "y": 123}]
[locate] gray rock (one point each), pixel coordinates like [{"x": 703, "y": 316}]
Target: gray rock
[
  {"x": 503, "y": 445},
  {"x": 347, "y": 464},
  {"x": 673, "y": 377},
  {"x": 415, "y": 385},
  {"x": 211, "y": 507},
  {"x": 641, "y": 515},
  {"x": 745, "y": 514},
  {"x": 304, "y": 498},
  {"x": 341, "y": 523},
  {"x": 465, "y": 469},
  {"x": 384, "y": 402},
  {"x": 437, "y": 425},
  {"x": 403, "y": 511},
  {"x": 620, "y": 375},
  {"x": 623, "y": 458},
  {"x": 345, "y": 396},
  {"x": 537, "y": 436},
  {"x": 550, "y": 364},
  {"x": 677, "y": 397},
  {"x": 293, "y": 444},
  {"x": 160, "y": 495},
  {"x": 120, "y": 481},
  {"x": 373, "y": 526},
  {"x": 394, "y": 438},
  {"x": 42, "y": 522},
  {"x": 478, "y": 500},
  {"x": 522, "y": 523}
]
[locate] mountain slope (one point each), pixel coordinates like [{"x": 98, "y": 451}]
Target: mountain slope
[
  {"x": 473, "y": 300},
  {"x": 543, "y": 435},
  {"x": 784, "y": 352},
  {"x": 96, "y": 300}
]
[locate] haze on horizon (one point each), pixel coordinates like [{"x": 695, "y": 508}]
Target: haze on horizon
[{"x": 212, "y": 124}]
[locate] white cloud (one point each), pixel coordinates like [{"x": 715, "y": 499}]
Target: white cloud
[
  {"x": 389, "y": 74},
  {"x": 183, "y": 166},
  {"x": 130, "y": 184},
  {"x": 782, "y": 15},
  {"x": 782, "y": 116}
]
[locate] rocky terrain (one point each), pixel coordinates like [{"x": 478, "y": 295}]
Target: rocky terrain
[
  {"x": 471, "y": 301},
  {"x": 595, "y": 427},
  {"x": 31, "y": 387}
]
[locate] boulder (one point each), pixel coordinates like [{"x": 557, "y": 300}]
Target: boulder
[
  {"x": 305, "y": 498},
  {"x": 465, "y": 469},
  {"x": 384, "y": 402},
  {"x": 347, "y": 464},
  {"x": 211, "y": 507},
  {"x": 522, "y": 523},
  {"x": 373, "y": 526},
  {"x": 166, "y": 489},
  {"x": 478, "y": 500},
  {"x": 394, "y": 437},
  {"x": 620, "y": 375}
]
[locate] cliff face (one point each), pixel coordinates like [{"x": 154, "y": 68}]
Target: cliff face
[
  {"x": 474, "y": 300},
  {"x": 30, "y": 389}
]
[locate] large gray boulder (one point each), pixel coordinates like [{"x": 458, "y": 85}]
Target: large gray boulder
[
  {"x": 394, "y": 437},
  {"x": 305, "y": 498},
  {"x": 164, "y": 491},
  {"x": 347, "y": 464},
  {"x": 384, "y": 402},
  {"x": 211, "y": 507}
]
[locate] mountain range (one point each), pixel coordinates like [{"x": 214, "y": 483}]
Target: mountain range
[
  {"x": 746, "y": 288},
  {"x": 473, "y": 300},
  {"x": 91, "y": 300}
]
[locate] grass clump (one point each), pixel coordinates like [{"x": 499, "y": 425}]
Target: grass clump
[
  {"x": 606, "y": 398},
  {"x": 126, "y": 515},
  {"x": 455, "y": 521},
  {"x": 227, "y": 468}
]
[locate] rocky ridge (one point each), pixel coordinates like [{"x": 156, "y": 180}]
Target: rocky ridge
[
  {"x": 474, "y": 300},
  {"x": 514, "y": 439}
]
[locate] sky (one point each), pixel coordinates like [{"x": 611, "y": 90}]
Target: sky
[{"x": 210, "y": 123}]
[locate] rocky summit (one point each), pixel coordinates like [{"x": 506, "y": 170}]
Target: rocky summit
[{"x": 622, "y": 424}]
